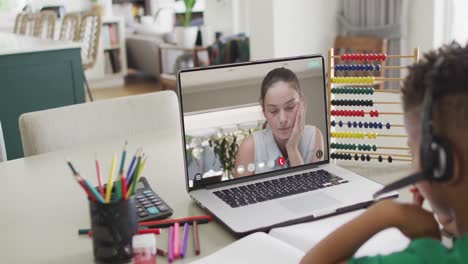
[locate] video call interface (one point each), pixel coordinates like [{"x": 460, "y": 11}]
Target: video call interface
[{"x": 246, "y": 120}]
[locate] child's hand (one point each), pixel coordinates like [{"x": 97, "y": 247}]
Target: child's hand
[
  {"x": 415, "y": 222},
  {"x": 446, "y": 221}
]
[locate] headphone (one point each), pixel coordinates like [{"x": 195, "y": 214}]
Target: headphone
[{"x": 436, "y": 153}]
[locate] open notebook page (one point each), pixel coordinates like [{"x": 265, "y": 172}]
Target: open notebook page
[
  {"x": 305, "y": 236},
  {"x": 255, "y": 248}
]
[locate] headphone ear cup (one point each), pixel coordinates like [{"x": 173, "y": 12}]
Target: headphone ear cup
[{"x": 442, "y": 160}]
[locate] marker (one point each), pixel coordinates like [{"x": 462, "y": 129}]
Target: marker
[
  {"x": 185, "y": 240},
  {"x": 170, "y": 244},
  {"x": 176, "y": 246}
]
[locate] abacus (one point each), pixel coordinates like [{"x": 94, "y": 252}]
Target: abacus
[{"x": 366, "y": 124}]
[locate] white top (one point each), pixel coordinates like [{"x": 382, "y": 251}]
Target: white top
[
  {"x": 267, "y": 151},
  {"x": 16, "y": 44}
]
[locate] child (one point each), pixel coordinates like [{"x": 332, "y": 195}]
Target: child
[{"x": 448, "y": 199}]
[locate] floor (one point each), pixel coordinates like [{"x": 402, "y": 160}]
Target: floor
[{"x": 133, "y": 85}]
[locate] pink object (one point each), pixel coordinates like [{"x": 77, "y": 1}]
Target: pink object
[{"x": 144, "y": 249}]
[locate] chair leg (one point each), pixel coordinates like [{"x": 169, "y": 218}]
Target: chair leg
[{"x": 87, "y": 88}]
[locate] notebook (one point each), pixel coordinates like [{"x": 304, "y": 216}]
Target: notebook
[{"x": 289, "y": 244}]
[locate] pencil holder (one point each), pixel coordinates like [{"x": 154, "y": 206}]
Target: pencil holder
[{"x": 113, "y": 226}]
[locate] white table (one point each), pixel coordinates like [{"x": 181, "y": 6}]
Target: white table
[{"x": 42, "y": 207}]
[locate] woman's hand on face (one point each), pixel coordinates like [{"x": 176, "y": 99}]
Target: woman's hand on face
[{"x": 299, "y": 122}]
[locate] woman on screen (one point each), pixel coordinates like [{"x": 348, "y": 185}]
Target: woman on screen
[{"x": 285, "y": 140}]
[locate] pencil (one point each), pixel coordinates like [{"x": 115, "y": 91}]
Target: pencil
[
  {"x": 155, "y": 231},
  {"x": 79, "y": 179},
  {"x": 131, "y": 168},
  {"x": 118, "y": 185},
  {"x": 134, "y": 179},
  {"x": 123, "y": 182},
  {"x": 110, "y": 182},
  {"x": 98, "y": 172},
  {"x": 184, "y": 220},
  {"x": 185, "y": 240},
  {"x": 196, "y": 239},
  {"x": 176, "y": 246},
  {"x": 93, "y": 190}
]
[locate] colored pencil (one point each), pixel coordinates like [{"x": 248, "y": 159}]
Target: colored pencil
[
  {"x": 176, "y": 246},
  {"x": 123, "y": 182},
  {"x": 185, "y": 240},
  {"x": 189, "y": 220},
  {"x": 93, "y": 191},
  {"x": 80, "y": 181},
  {"x": 98, "y": 172},
  {"x": 171, "y": 244},
  {"x": 134, "y": 179},
  {"x": 155, "y": 231},
  {"x": 196, "y": 239},
  {"x": 118, "y": 184},
  {"x": 131, "y": 168},
  {"x": 110, "y": 182}
]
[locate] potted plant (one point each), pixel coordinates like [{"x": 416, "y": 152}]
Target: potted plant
[{"x": 187, "y": 35}]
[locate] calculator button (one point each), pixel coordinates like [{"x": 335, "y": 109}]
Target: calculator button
[
  {"x": 143, "y": 214},
  {"x": 157, "y": 202},
  {"x": 147, "y": 205},
  {"x": 140, "y": 196},
  {"x": 151, "y": 197},
  {"x": 145, "y": 202},
  {"x": 162, "y": 208},
  {"x": 140, "y": 210},
  {"x": 152, "y": 210},
  {"x": 147, "y": 192}
]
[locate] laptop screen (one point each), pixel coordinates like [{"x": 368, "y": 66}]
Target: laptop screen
[{"x": 249, "y": 119}]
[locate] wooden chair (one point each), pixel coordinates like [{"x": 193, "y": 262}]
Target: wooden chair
[
  {"x": 360, "y": 44},
  {"x": 89, "y": 34},
  {"x": 70, "y": 27},
  {"x": 18, "y": 23},
  {"x": 27, "y": 24},
  {"x": 44, "y": 26}
]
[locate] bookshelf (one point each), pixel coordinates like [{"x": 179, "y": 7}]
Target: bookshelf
[{"x": 111, "y": 64}]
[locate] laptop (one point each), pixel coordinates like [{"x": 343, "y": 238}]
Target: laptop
[{"x": 236, "y": 164}]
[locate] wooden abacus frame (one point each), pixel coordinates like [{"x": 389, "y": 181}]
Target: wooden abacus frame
[{"x": 331, "y": 71}]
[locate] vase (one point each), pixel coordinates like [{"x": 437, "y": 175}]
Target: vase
[
  {"x": 228, "y": 174},
  {"x": 186, "y": 36}
]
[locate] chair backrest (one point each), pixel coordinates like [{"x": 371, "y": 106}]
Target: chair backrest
[
  {"x": 18, "y": 23},
  {"x": 27, "y": 24},
  {"x": 92, "y": 123},
  {"x": 3, "y": 156},
  {"x": 70, "y": 26},
  {"x": 44, "y": 26},
  {"x": 360, "y": 44},
  {"x": 88, "y": 35}
]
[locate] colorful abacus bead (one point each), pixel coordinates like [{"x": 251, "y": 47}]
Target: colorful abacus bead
[
  {"x": 374, "y": 147},
  {"x": 333, "y": 123},
  {"x": 356, "y": 157},
  {"x": 380, "y": 158},
  {"x": 390, "y": 159},
  {"x": 349, "y": 124},
  {"x": 340, "y": 123},
  {"x": 360, "y": 124},
  {"x": 388, "y": 126},
  {"x": 368, "y": 157},
  {"x": 378, "y": 67},
  {"x": 363, "y": 157}
]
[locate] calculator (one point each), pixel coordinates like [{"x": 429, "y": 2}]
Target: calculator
[{"x": 150, "y": 206}]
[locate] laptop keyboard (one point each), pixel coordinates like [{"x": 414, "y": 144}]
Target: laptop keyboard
[{"x": 277, "y": 188}]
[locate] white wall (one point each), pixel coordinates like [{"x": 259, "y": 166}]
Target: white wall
[
  {"x": 218, "y": 16},
  {"x": 304, "y": 27},
  {"x": 70, "y": 5}
]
